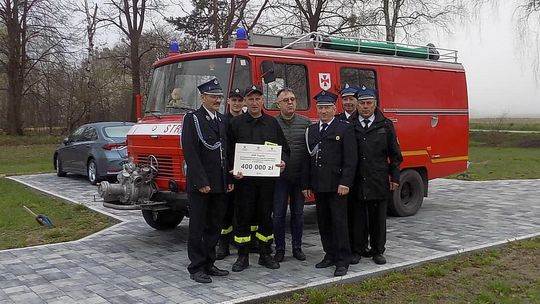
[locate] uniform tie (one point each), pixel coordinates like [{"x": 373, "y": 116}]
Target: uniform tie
[
  {"x": 366, "y": 124},
  {"x": 323, "y": 129}
]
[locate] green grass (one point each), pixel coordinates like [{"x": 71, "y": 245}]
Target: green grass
[
  {"x": 495, "y": 155},
  {"x": 23, "y": 159},
  {"x": 503, "y": 123},
  {"x": 20, "y": 229},
  {"x": 510, "y": 274},
  {"x": 487, "y": 163}
]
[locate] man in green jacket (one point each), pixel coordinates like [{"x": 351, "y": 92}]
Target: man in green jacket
[{"x": 288, "y": 190}]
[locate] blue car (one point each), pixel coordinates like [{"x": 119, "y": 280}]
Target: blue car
[{"x": 96, "y": 150}]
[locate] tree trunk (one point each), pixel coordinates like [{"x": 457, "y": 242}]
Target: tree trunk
[
  {"x": 15, "y": 72},
  {"x": 135, "y": 76}
]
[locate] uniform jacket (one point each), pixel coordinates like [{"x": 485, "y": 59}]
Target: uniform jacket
[
  {"x": 343, "y": 116},
  {"x": 335, "y": 162},
  {"x": 205, "y": 167},
  {"x": 246, "y": 129},
  {"x": 294, "y": 130},
  {"x": 379, "y": 157}
]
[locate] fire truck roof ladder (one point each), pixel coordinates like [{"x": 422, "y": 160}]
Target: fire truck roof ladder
[{"x": 316, "y": 40}]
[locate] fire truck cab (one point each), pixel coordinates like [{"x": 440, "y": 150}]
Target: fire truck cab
[{"x": 422, "y": 89}]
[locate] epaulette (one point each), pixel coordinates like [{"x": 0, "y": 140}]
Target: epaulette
[{"x": 345, "y": 121}]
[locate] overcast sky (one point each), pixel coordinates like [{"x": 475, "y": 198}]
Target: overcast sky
[{"x": 500, "y": 79}]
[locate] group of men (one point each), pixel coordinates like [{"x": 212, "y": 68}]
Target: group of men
[{"x": 349, "y": 162}]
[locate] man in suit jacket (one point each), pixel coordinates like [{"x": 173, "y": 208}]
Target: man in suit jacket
[
  {"x": 204, "y": 143},
  {"x": 329, "y": 173}
]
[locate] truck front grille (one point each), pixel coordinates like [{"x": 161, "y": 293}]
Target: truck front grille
[{"x": 165, "y": 164}]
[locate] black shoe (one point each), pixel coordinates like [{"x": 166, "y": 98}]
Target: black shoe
[
  {"x": 340, "y": 271},
  {"x": 241, "y": 263},
  {"x": 214, "y": 271},
  {"x": 267, "y": 261},
  {"x": 200, "y": 277},
  {"x": 379, "y": 259},
  {"x": 324, "y": 264},
  {"x": 355, "y": 258},
  {"x": 223, "y": 248},
  {"x": 280, "y": 254},
  {"x": 298, "y": 254}
]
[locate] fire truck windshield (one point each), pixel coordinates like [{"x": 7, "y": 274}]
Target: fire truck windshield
[{"x": 174, "y": 86}]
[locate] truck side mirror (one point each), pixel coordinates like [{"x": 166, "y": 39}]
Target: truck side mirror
[{"x": 268, "y": 71}]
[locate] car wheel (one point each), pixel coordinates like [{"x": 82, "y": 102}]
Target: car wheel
[
  {"x": 59, "y": 169},
  {"x": 408, "y": 198},
  {"x": 92, "y": 172},
  {"x": 163, "y": 219}
]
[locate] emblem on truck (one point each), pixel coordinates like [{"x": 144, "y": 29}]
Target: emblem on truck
[{"x": 324, "y": 81}]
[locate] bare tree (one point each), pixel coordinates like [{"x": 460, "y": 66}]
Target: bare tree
[
  {"x": 33, "y": 36},
  {"x": 129, "y": 17},
  {"x": 215, "y": 20},
  {"x": 305, "y": 16},
  {"x": 412, "y": 16}
]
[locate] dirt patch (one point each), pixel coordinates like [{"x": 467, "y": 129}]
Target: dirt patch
[{"x": 529, "y": 144}]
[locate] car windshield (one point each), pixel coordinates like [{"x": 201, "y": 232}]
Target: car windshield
[
  {"x": 116, "y": 131},
  {"x": 174, "y": 86}
]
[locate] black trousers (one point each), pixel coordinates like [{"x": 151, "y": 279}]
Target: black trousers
[
  {"x": 227, "y": 224},
  {"x": 358, "y": 224},
  {"x": 332, "y": 221},
  {"x": 205, "y": 217},
  {"x": 253, "y": 202},
  {"x": 376, "y": 213}
]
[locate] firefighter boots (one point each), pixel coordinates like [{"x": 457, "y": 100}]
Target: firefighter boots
[
  {"x": 243, "y": 259},
  {"x": 267, "y": 261},
  {"x": 223, "y": 247}
]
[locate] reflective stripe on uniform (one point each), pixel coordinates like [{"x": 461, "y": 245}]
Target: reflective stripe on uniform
[
  {"x": 226, "y": 231},
  {"x": 242, "y": 239},
  {"x": 254, "y": 228},
  {"x": 264, "y": 238}
]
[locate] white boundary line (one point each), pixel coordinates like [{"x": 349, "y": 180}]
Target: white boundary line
[{"x": 357, "y": 276}]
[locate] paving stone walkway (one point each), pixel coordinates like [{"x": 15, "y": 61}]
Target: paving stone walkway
[{"x": 132, "y": 263}]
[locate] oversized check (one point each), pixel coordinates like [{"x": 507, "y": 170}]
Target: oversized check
[{"x": 257, "y": 160}]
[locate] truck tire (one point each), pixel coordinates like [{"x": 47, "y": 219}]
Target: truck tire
[
  {"x": 163, "y": 219},
  {"x": 409, "y": 196}
]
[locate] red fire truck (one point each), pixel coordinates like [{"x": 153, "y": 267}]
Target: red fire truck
[{"x": 422, "y": 89}]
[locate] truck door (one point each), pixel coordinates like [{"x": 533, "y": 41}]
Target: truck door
[{"x": 277, "y": 74}]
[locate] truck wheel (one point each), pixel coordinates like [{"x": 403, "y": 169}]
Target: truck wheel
[
  {"x": 409, "y": 196},
  {"x": 163, "y": 219},
  {"x": 58, "y": 165}
]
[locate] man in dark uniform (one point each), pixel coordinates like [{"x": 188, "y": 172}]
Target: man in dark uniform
[
  {"x": 329, "y": 172},
  {"x": 254, "y": 195},
  {"x": 349, "y": 102},
  {"x": 235, "y": 103},
  {"x": 204, "y": 141},
  {"x": 377, "y": 175}
]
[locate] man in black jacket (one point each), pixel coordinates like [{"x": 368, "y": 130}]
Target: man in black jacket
[
  {"x": 377, "y": 175},
  {"x": 329, "y": 172},
  {"x": 204, "y": 142},
  {"x": 255, "y": 195},
  {"x": 235, "y": 103}
]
